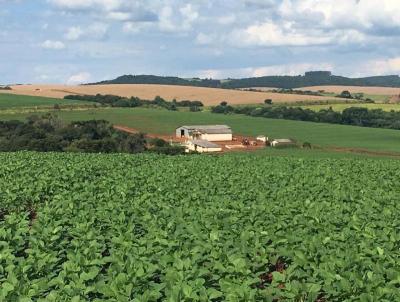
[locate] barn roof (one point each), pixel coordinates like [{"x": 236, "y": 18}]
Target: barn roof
[
  {"x": 210, "y": 129},
  {"x": 204, "y": 143}
]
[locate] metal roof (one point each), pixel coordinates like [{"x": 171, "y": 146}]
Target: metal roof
[
  {"x": 210, "y": 129},
  {"x": 203, "y": 143}
]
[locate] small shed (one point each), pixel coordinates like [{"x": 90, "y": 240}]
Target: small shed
[
  {"x": 212, "y": 133},
  {"x": 262, "y": 138},
  {"x": 202, "y": 146},
  {"x": 281, "y": 142}
]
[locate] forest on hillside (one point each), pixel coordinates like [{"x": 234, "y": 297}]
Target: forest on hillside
[{"x": 314, "y": 78}]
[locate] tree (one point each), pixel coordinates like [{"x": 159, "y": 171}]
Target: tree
[
  {"x": 194, "y": 109},
  {"x": 346, "y": 94}
]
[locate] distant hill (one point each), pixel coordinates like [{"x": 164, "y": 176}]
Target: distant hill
[
  {"x": 151, "y": 79},
  {"x": 312, "y": 78}
]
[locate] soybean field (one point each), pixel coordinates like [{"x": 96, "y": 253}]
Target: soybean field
[{"x": 90, "y": 227}]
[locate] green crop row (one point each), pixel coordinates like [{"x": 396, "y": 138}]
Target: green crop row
[{"x": 76, "y": 227}]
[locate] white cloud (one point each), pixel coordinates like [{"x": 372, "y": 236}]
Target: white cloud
[
  {"x": 55, "y": 45},
  {"x": 94, "y": 31},
  {"x": 288, "y": 69},
  {"x": 80, "y": 78},
  {"x": 381, "y": 67},
  {"x": 259, "y": 71},
  {"x": 355, "y": 14},
  {"x": 134, "y": 27},
  {"x": 270, "y": 34},
  {"x": 227, "y": 20},
  {"x": 74, "y": 33},
  {"x": 87, "y": 4},
  {"x": 205, "y": 39},
  {"x": 119, "y": 16},
  {"x": 171, "y": 21}
]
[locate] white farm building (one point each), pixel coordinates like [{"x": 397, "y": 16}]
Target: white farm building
[
  {"x": 202, "y": 146},
  {"x": 282, "y": 142},
  {"x": 211, "y": 133}
]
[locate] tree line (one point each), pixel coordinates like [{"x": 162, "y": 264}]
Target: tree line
[
  {"x": 118, "y": 101},
  {"x": 159, "y": 80},
  {"x": 47, "y": 133},
  {"x": 355, "y": 116},
  {"x": 313, "y": 78}
]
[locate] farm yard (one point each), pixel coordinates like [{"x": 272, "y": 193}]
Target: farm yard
[
  {"x": 327, "y": 138},
  {"x": 78, "y": 227},
  {"x": 163, "y": 122},
  {"x": 209, "y": 96}
]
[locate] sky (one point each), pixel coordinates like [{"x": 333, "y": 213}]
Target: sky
[{"x": 79, "y": 41}]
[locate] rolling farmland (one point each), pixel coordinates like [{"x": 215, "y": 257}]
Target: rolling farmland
[
  {"x": 209, "y": 96},
  {"x": 355, "y": 89},
  {"x": 76, "y": 227},
  {"x": 341, "y": 107},
  {"x": 8, "y": 101},
  {"x": 159, "y": 121}
]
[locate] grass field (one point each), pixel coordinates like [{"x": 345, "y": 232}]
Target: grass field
[
  {"x": 341, "y": 107},
  {"x": 356, "y": 89},
  {"x": 164, "y": 122},
  {"x": 209, "y": 96},
  {"x": 378, "y": 98},
  {"x": 8, "y": 101}
]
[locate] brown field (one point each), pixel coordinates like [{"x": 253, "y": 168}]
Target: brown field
[
  {"x": 356, "y": 89},
  {"x": 209, "y": 96}
]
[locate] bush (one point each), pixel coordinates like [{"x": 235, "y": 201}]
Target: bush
[
  {"x": 170, "y": 150},
  {"x": 118, "y": 101},
  {"x": 47, "y": 133},
  {"x": 194, "y": 109},
  {"x": 158, "y": 142},
  {"x": 345, "y": 94}
]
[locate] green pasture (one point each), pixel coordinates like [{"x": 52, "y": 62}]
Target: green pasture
[
  {"x": 9, "y": 101},
  {"x": 341, "y": 107},
  {"x": 161, "y": 121}
]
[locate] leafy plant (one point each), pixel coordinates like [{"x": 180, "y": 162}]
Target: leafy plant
[{"x": 90, "y": 227}]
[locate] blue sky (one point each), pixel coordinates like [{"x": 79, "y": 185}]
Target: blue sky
[{"x": 74, "y": 41}]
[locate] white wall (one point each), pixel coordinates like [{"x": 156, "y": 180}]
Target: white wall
[
  {"x": 192, "y": 147},
  {"x": 217, "y": 137},
  {"x": 178, "y": 132},
  {"x": 207, "y": 137}
]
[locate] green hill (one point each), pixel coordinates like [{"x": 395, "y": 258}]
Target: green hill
[
  {"x": 160, "y": 80},
  {"x": 313, "y": 78}
]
